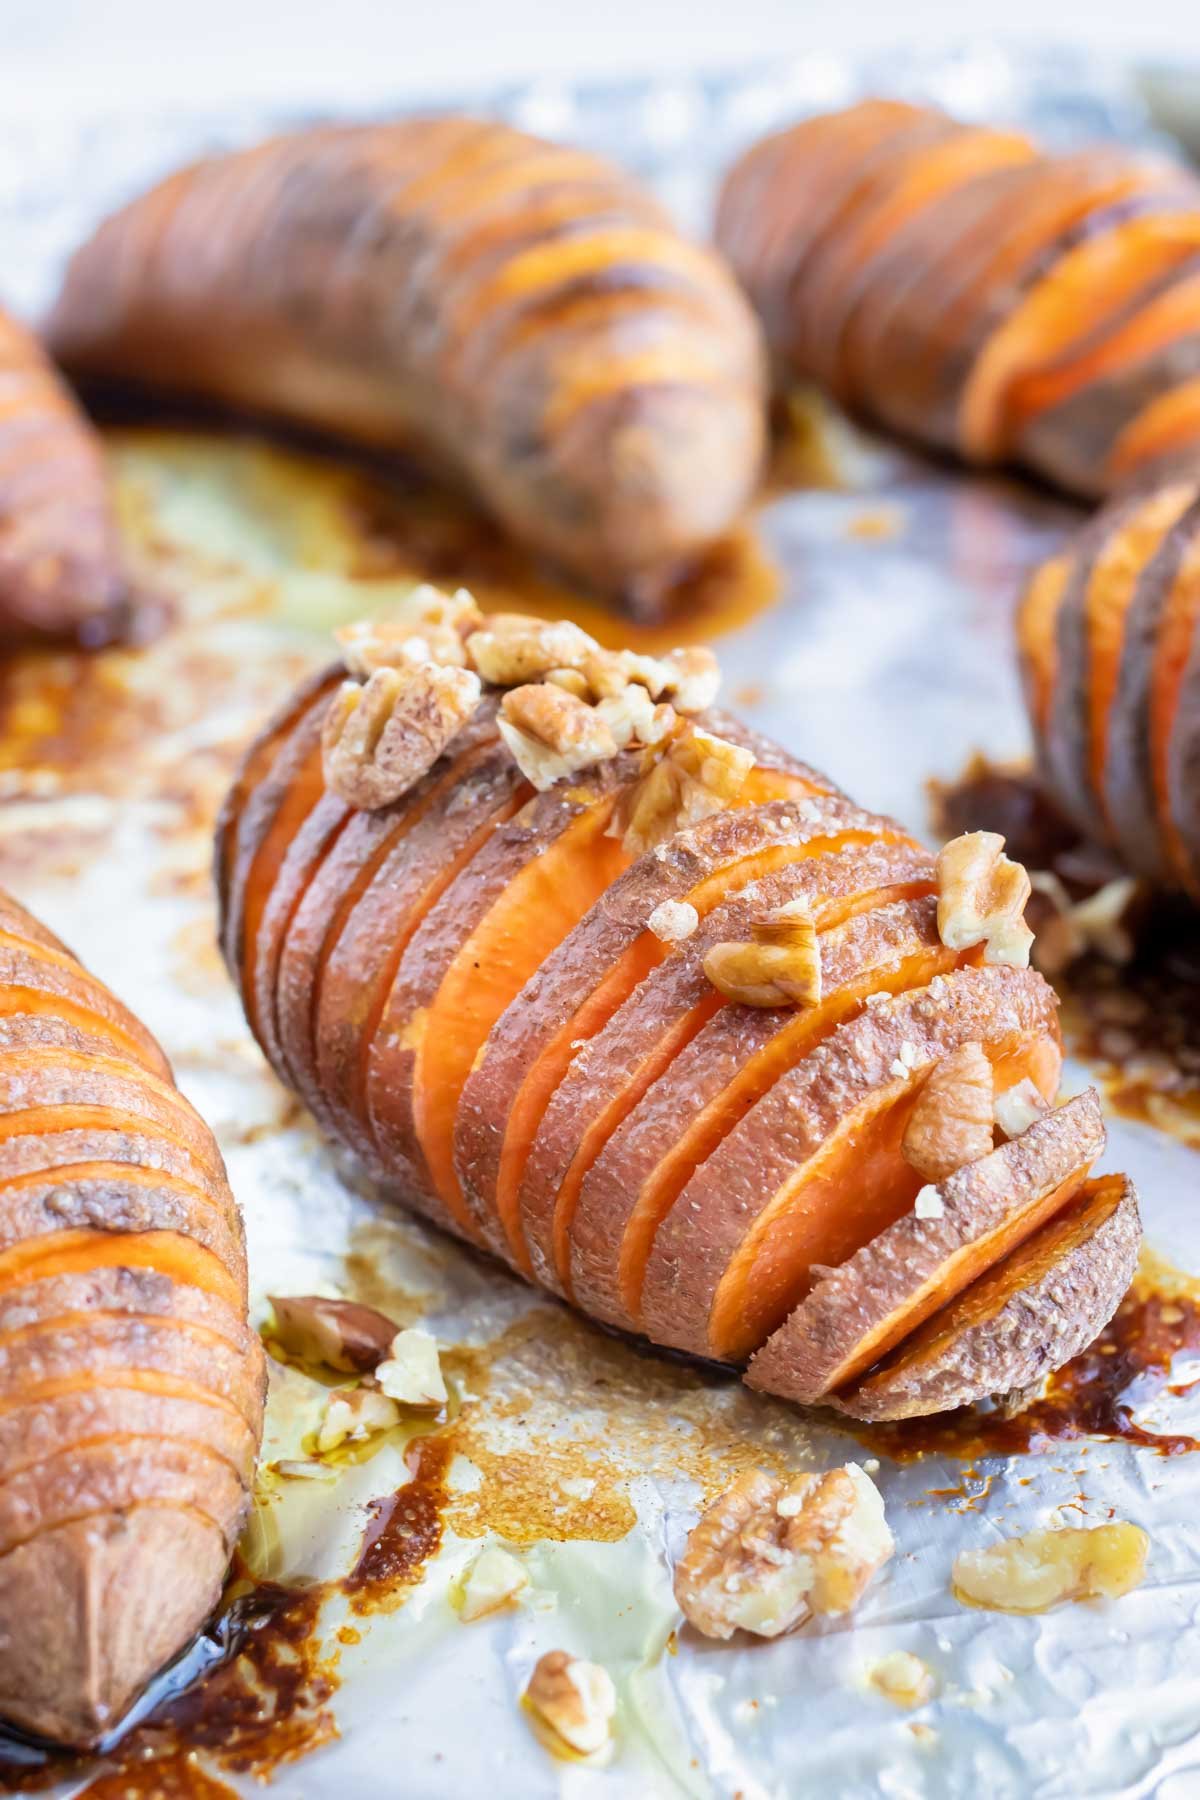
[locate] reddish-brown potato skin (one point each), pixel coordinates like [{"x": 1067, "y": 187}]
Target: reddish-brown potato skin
[
  {"x": 60, "y": 561},
  {"x": 886, "y": 254},
  {"x": 522, "y": 314},
  {"x": 131, "y": 1394}
]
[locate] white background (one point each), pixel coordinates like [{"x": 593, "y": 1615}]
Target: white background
[{"x": 56, "y": 53}]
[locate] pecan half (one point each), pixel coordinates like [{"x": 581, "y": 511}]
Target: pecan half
[
  {"x": 695, "y": 774},
  {"x": 551, "y": 734},
  {"x": 576, "y": 1699},
  {"x": 512, "y": 648},
  {"x": 982, "y": 898},
  {"x": 951, "y": 1120},
  {"x": 780, "y": 966},
  {"x": 378, "y": 739}
]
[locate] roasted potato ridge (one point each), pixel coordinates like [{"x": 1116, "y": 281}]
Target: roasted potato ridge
[
  {"x": 60, "y": 564},
  {"x": 131, "y": 1388},
  {"x": 519, "y": 312}
]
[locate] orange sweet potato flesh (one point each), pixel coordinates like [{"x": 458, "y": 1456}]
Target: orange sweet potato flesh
[
  {"x": 413, "y": 265},
  {"x": 129, "y": 1379},
  {"x": 1178, "y": 633},
  {"x": 1167, "y": 426},
  {"x": 861, "y": 1310}
]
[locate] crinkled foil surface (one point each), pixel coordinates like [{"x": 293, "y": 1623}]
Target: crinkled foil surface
[{"x": 887, "y": 658}]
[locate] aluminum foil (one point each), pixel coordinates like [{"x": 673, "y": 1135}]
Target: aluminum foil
[{"x": 887, "y": 658}]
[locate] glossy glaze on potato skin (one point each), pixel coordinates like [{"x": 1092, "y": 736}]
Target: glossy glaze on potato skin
[
  {"x": 521, "y": 314},
  {"x": 132, "y": 1386}
]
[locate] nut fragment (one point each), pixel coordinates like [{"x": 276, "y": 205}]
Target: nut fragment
[
  {"x": 694, "y": 678},
  {"x": 903, "y": 1678},
  {"x": 951, "y": 1120},
  {"x": 338, "y": 1333},
  {"x": 767, "y": 1554},
  {"x": 673, "y": 921},
  {"x": 354, "y": 1414},
  {"x": 1031, "y": 1574},
  {"x": 696, "y": 774},
  {"x": 781, "y": 966},
  {"x": 982, "y": 897},
  {"x": 551, "y": 734},
  {"x": 1019, "y": 1107},
  {"x": 929, "y": 1204},
  {"x": 513, "y": 648},
  {"x": 426, "y": 626},
  {"x": 1100, "y": 924},
  {"x": 632, "y": 717},
  {"x": 492, "y": 1582},
  {"x": 576, "y": 1699},
  {"x": 412, "y": 1373},
  {"x": 377, "y": 740}
]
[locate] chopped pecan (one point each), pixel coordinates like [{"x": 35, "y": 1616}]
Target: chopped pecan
[
  {"x": 341, "y": 1334},
  {"x": 377, "y": 740},
  {"x": 982, "y": 897},
  {"x": 576, "y": 1699},
  {"x": 354, "y": 1414},
  {"x": 513, "y": 649},
  {"x": 426, "y": 626},
  {"x": 411, "y": 1373},
  {"x": 951, "y": 1120},
  {"x": 688, "y": 678},
  {"x": 1019, "y": 1107},
  {"x": 551, "y": 734},
  {"x": 768, "y": 1553},
  {"x": 632, "y": 717},
  {"x": 695, "y": 774},
  {"x": 1103, "y": 923},
  {"x": 1031, "y": 1574},
  {"x": 673, "y": 921},
  {"x": 492, "y": 1582},
  {"x": 903, "y": 1678},
  {"x": 781, "y": 966}
]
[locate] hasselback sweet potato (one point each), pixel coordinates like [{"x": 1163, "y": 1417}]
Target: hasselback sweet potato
[
  {"x": 131, "y": 1387},
  {"x": 640, "y": 1003},
  {"x": 60, "y": 566},
  {"x": 976, "y": 294},
  {"x": 1109, "y": 636},
  {"x": 520, "y": 313}
]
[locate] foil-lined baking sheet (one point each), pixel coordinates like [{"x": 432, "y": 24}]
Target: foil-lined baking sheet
[{"x": 886, "y": 658}]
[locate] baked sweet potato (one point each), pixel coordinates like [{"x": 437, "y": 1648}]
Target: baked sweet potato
[
  {"x": 521, "y": 314},
  {"x": 1110, "y": 655},
  {"x": 60, "y": 562},
  {"x": 648, "y": 1016},
  {"x": 131, "y": 1387},
  {"x": 974, "y": 294}
]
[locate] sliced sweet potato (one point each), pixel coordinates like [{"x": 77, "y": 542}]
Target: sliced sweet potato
[
  {"x": 143, "y": 1406},
  {"x": 859, "y": 1312},
  {"x": 1091, "y": 283},
  {"x": 608, "y": 1213},
  {"x": 1165, "y": 428},
  {"x": 584, "y": 981},
  {"x": 118, "y": 1196},
  {"x": 1037, "y": 636},
  {"x": 130, "y": 1289},
  {"x": 38, "y": 979},
  {"x": 59, "y": 1083},
  {"x": 815, "y": 1169},
  {"x": 338, "y": 882},
  {"x": 1177, "y": 767},
  {"x": 1030, "y": 1314},
  {"x": 602, "y": 1063},
  {"x": 79, "y": 1252}
]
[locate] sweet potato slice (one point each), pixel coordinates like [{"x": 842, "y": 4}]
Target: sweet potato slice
[
  {"x": 47, "y": 1424},
  {"x": 116, "y": 1196},
  {"x": 608, "y": 1212},
  {"x": 585, "y": 1086},
  {"x": 859, "y": 1312},
  {"x": 127, "y": 1289},
  {"x": 815, "y": 1169},
  {"x": 338, "y": 882},
  {"x": 1030, "y": 1314},
  {"x": 58, "y": 1083},
  {"x": 37, "y": 979},
  {"x": 1165, "y": 428},
  {"x": 535, "y": 1039},
  {"x": 1090, "y": 284},
  {"x": 77, "y": 1252},
  {"x": 1037, "y": 636}
]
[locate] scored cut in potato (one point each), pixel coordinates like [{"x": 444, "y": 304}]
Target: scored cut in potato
[
  {"x": 1026, "y": 1317},
  {"x": 859, "y": 1312}
]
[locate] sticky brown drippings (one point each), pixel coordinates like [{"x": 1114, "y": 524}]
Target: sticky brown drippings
[
  {"x": 403, "y": 1531},
  {"x": 250, "y": 1695},
  {"x": 1136, "y": 1024},
  {"x": 1095, "y": 1395}
]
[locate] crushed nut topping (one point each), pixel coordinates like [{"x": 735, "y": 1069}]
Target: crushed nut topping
[
  {"x": 492, "y": 1582},
  {"x": 673, "y": 921},
  {"x": 697, "y": 774},
  {"x": 632, "y": 717},
  {"x": 903, "y": 1678},
  {"x": 952, "y": 1118},
  {"x": 341, "y": 1334},
  {"x": 1019, "y": 1107},
  {"x": 576, "y": 1699},
  {"x": 1031, "y": 1574},
  {"x": 981, "y": 899},
  {"x": 426, "y": 626},
  {"x": 571, "y": 681},
  {"x": 513, "y": 648},
  {"x": 296, "y": 1469},
  {"x": 412, "y": 1373},
  {"x": 354, "y": 1414},
  {"x": 781, "y": 966},
  {"x": 769, "y": 1553},
  {"x": 378, "y": 739},
  {"x": 929, "y": 1204},
  {"x": 1100, "y": 924},
  {"x": 551, "y": 734}
]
